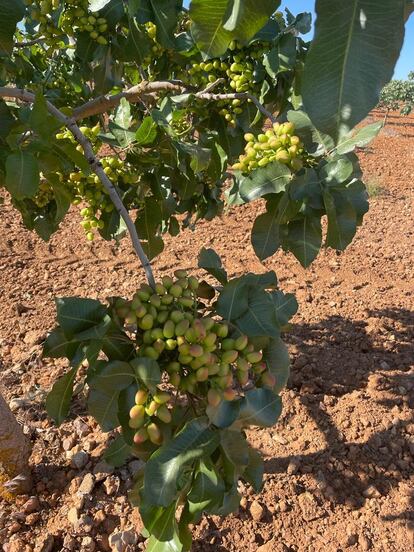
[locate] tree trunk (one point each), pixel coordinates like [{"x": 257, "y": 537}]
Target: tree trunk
[{"x": 14, "y": 455}]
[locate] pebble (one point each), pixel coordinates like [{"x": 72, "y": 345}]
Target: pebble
[
  {"x": 119, "y": 541},
  {"x": 102, "y": 470},
  {"x": 73, "y": 516},
  {"x": 31, "y": 505},
  {"x": 364, "y": 543},
  {"x": 14, "y": 527},
  {"x": 45, "y": 544},
  {"x": 79, "y": 459},
  {"x": 371, "y": 492},
  {"x": 17, "y": 545},
  {"x": 69, "y": 543},
  {"x": 88, "y": 544},
  {"x": 87, "y": 485},
  {"x": 256, "y": 510},
  {"x": 111, "y": 485},
  {"x": 69, "y": 442},
  {"x": 293, "y": 467}
]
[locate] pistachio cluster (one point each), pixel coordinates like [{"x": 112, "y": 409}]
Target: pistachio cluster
[
  {"x": 74, "y": 17},
  {"x": 198, "y": 354},
  {"x": 278, "y": 143}
]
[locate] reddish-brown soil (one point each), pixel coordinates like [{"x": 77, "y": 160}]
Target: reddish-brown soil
[{"x": 339, "y": 464}]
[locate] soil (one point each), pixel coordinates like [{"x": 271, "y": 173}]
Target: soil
[{"x": 339, "y": 468}]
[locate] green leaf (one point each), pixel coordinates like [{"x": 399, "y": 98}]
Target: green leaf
[
  {"x": 118, "y": 452},
  {"x": 96, "y": 5},
  {"x": 166, "y": 525},
  {"x": 271, "y": 179},
  {"x": 136, "y": 47},
  {"x": 164, "y": 15},
  {"x": 259, "y": 319},
  {"x": 57, "y": 345},
  {"x": 359, "y": 139},
  {"x": 342, "y": 220},
  {"x": 114, "y": 226},
  {"x": 76, "y": 314},
  {"x": 276, "y": 356},
  {"x": 105, "y": 387},
  {"x": 233, "y": 300},
  {"x": 260, "y": 407},
  {"x": 10, "y": 14},
  {"x": 337, "y": 171},
  {"x": 40, "y": 119},
  {"x": 304, "y": 239},
  {"x": 147, "y": 132},
  {"x": 254, "y": 471},
  {"x": 281, "y": 57},
  {"x": 148, "y": 371},
  {"x": 6, "y": 120},
  {"x": 225, "y": 414},
  {"x": 247, "y": 17},
  {"x": 211, "y": 262},
  {"x": 235, "y": 447},
  {"x": 121, "y": 123},
  {"x": 352, "y": 56},
  {"x": 285, "y": 306},
  {"x": 58, "y": 400},
  {"x": 207, "y": 26},
  {"x": 165, "y": 467},
  {"x": 22, "y": 174}
]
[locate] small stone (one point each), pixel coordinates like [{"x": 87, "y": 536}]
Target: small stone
[
  {"x": 73, "y": 516},
  {"x": 371, "y": 492},
  {"x": 364, "y": 543},
  {"x": 31, "y": 505},
  {"x": 352, "y": 539},
  {"x": 111, "y": 485},
  {"x": 84, "y": 524},
  {"x": 99, "y": 517},
  {"x": 279, "y": 439},
  {"x": 17, "y": 545},
  {"x": 243, "y": 502},
  {"x": 293, "y": 466},
  {"x": 119, "y": 542},
  {"x": 14, "y": 527},
  {"x": 283, "y": 506},
  {"x": 88, "y": 544},
  {"x": 45, "y": 544},
  {"x": 69, "y": 442},
  {"x": 79, "y": 460},
  {"x": 87, "y": 485},
  {"x": 256, "y": 510},
  {"x": 69, "y": 543},
  {"x": 32, "y": 519},
  {"x": 81, "y": 428}
]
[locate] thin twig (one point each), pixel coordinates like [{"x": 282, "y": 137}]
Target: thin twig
[
  {"x": 210, "y": 87},
  {"x": 96, "y": 167},
  {"x": 33, "y": 42}
]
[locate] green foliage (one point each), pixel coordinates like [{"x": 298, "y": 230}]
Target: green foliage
[
  {"x": 398, "y": 94},
  {"x": 181, "y": 370}
]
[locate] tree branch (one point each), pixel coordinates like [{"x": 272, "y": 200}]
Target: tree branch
[
  {"x": 140, "y": 92},
  {"x": 237, "y": 96},
  {"x": 96, "y": 167}
]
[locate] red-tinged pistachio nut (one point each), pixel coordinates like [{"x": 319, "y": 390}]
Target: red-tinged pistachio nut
[
  {"x": 259, "y": 368},
  {"x": 137, "y": 411},
  {"x": 184, "y": 349},
  {"x": 141, "y": 396},
  {"x": 214, "y": 397},
  {"x": 159, "y": 345},
  {"x": 268, "y": 380},
  {"x": 213, "y": 369},
  {"x": 196, "y": 350},
  {"x": 154, "y": 434},
  {"x": 221, "y": 330},
  {"x": 191, "y": 335},
  {"x": 242, "y": 364},
  {"x": 254, "y": 357},
  {"x": 185, "y": 359},
  {"x": 228, "y": 357},
  {"x": 210, "y": 339},
  {"x": 229, "y": 394},
  {"x": 202, "y": 374},
  {"x": 208, "y": 323},
  {"x": 141, "y": 436},
  {"x": 141, "y": 311}
]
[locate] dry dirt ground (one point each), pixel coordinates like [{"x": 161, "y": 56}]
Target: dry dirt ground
[{"x": 339, "y": 464}]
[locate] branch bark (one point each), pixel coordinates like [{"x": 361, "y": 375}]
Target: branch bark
[{"x": 96, "y": 167}]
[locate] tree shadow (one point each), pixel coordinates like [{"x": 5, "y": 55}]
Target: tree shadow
[{"x": 337, "y": 357}]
